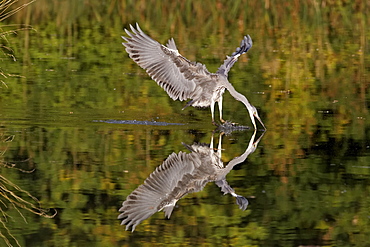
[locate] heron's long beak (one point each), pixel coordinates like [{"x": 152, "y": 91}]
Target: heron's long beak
[{"x": 259, "y": 119}]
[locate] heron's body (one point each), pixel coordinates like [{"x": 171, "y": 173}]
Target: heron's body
[{"x": 183, "y": 79}]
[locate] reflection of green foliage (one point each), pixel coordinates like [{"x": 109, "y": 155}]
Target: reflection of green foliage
[{"x": 308, "y": 64}]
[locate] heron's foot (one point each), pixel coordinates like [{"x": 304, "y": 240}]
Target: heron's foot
[
  {"x": 219, "y": 124},
  {"x": 222, "y": 121},
  {"x": 229, "y": 124}
]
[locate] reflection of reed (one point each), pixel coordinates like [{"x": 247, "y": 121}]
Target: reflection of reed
[{"x": 12, "y": 197}]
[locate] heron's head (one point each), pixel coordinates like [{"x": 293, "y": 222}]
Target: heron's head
[{"x": 254, "y": 114}]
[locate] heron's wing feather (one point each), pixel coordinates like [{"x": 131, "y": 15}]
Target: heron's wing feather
[
  {"x": 174, "y": 73},
  {"x": 155, "y": 193},
  {"x": 245, "y": 45}
]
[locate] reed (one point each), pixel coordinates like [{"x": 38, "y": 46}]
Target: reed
[{"x": 6, "y": 11}]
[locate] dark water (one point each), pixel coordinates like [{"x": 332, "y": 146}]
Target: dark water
[{"x": 82, "y": 126}]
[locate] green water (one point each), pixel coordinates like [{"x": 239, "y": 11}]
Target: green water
[{"x": 308, "y": 182}]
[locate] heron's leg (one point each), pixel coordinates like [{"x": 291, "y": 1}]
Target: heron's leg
[
  {"x": 219, "y": 145},
  {"x": 213, "y": 112},
  {"x": 211, "y": 145},
  {"x": 220, "y": 109}
]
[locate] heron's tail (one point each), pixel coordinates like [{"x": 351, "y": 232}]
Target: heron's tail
[
  {"x": 168, "y": 210},
  {"x": 188, "y": 147}
]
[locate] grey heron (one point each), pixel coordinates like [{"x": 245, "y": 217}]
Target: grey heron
[
  {"x": 183, "y": 79},
  {"x": 182, "y": 173}
]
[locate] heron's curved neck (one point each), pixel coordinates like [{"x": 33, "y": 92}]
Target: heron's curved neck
[
  {"x": 243, "y": 99},
  {"x": 237, "y": 95}
]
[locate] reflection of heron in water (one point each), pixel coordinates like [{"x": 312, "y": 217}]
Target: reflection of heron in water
[
  {"x": 179, "y": 175},
  {"x": 183, "y": 79}
]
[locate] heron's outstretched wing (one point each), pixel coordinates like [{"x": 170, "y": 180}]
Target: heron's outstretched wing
[
  {"x": 174, "y": 73},
  {"x": 159, "y": 191},
  {"x": 245, "y": 45}
]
